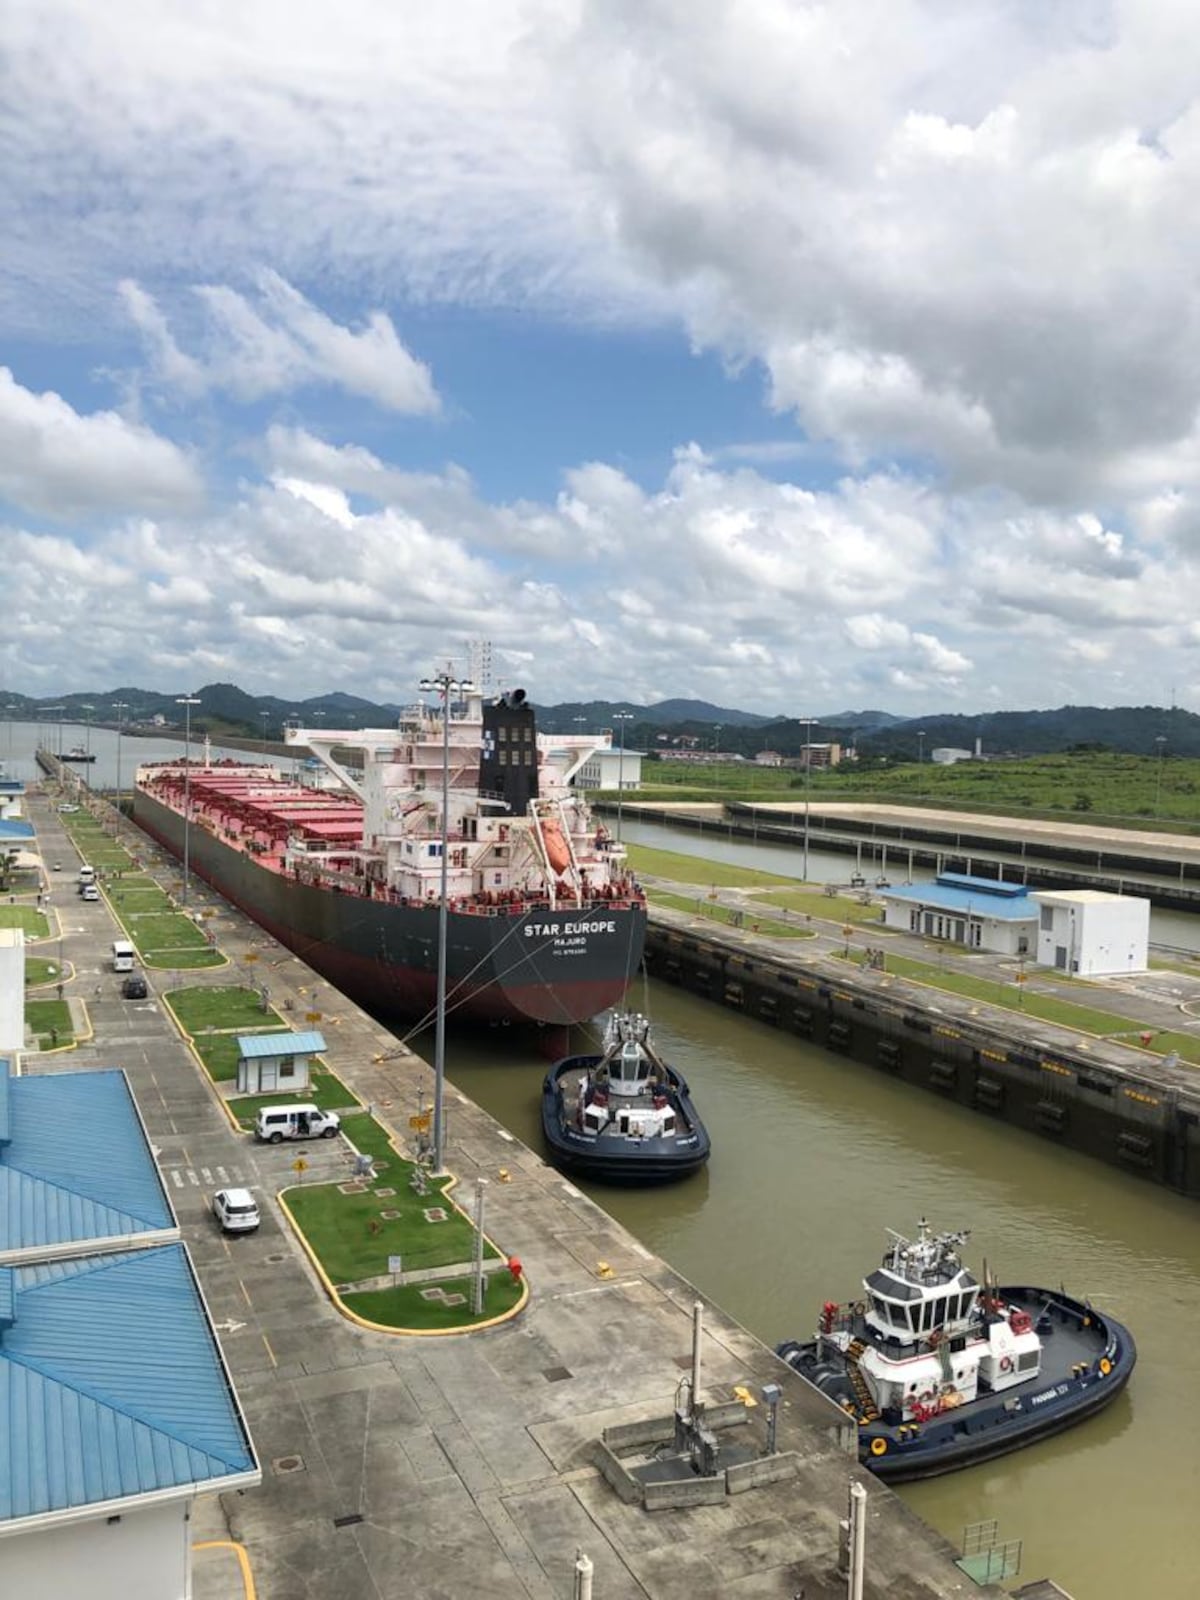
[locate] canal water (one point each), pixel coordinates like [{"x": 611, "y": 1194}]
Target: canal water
[{"x": 117, "y": 758}]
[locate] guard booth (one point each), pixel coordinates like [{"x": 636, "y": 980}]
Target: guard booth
[{"x": 270, "y": 1063}]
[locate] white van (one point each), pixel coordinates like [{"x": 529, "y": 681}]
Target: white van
[
  {"x": 274, "y": 1123},
  {"x": 122, "y": 955},
  {"x": 87, "y": 875}
]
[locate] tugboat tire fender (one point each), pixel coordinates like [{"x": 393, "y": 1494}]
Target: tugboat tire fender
[
  {"x": 878, "y": 1447},
  {"x": 860, "y": 1309},
  {"x": 1105, "y": 1366},
  {"x": 1006, "y": 1364}
]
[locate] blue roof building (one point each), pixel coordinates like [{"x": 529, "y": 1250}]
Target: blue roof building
[
  {"x": 979, "y": 913},
  {"x": 76, "y": 1172},
  {"x": 270, "y": 1063},
  {"x": 116, "y": 1406}
]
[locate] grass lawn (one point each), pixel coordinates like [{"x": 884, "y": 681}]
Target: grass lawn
[
  {"x": 31, "y": 921},
  {"x": 701, "y": 907},
  {"x": 405, "y": 1308},
  {"x": 45, "y": 1018},
  {"x": 1085, "y": 1019},
  {"x": 372, "y": 1139},
  {"x": 831, "y": 907},
  {"x": 228, "y": 1006},
  {"x": 352, "y": 1240},
  {"x": 39, "y": 972},
  {"x": 182, "y": 960},
  {"x": 692, "y": 869},
  {"x": 165, "y": 933},
  {"x": 325, "y": 1090},
  {"x": 139, "y": 900},
  {"x": 219, "y": 1052}
]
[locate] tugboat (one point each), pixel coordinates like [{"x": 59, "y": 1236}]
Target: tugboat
[
  {"x": 78, "y": 754},
  {"x": 623, "y": 1116},
  {"x": 942, "y": 1372}
]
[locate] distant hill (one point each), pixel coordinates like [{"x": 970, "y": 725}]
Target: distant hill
[
  {"x": 877, "y": 735},
  {"x": 1133, "y": 730}
]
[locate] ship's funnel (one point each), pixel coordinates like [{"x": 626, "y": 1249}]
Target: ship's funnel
[{"x": 508, "y": 758}]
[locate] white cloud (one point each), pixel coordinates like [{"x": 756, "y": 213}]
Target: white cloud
[
  {"x": 283, "y": 343},
  {"x": 59, "y": 463}
]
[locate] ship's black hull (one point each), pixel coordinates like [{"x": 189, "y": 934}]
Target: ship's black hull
[
  {"x": 504, "y": 964},
  {"x": 1087, "y": 1360},
  {"x": 614, "y": 1158}
]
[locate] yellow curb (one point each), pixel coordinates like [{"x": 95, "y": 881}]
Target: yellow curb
[
  {"x": 243, "y": 1561},
  {"x": 380, "y": 1327}
]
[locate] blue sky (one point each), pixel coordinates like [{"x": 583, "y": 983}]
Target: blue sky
[{"x": 782, "y": 357}]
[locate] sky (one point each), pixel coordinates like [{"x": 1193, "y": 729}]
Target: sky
[{"x": 798, "y": 357}]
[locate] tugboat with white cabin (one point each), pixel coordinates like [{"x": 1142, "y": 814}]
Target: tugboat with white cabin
[
  {"x": 623, "y": 1115},
  {"x": 941, "y": 1371}
]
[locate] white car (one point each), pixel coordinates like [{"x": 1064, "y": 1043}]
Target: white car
[
  {"x": 89, "y": 891},
  {"x": 236, "y": 1210}
]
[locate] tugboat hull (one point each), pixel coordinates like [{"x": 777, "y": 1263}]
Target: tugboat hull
[
  {"x": 1088, "y": 1359},
  {"x": 609, "y": 1158}
]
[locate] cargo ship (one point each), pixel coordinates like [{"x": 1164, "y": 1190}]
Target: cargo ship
[{"x": 545, "y": 922}]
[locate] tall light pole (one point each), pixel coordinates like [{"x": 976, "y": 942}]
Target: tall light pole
[
  {"x": 10, "y": 709},
  {"x": 187, "y": 701},
  {"x": 120, "y": 707},
  {"x": 265, "y": 715},
  {"x": 87, "y": 776},
  {"x": 1160, "y": 740},
  {"x": 807, "y": 724},
  {"x": 444, "y": 686},
  {"x": 621, "y": 718},
  {"x": 921, "y": 747}
]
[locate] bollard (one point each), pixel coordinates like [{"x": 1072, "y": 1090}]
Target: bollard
[{"x": 583, "y": 1577}]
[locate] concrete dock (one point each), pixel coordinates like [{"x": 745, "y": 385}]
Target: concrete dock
[{"x": 461, "y": 1466}]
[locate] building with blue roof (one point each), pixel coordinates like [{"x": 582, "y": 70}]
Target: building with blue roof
[
  {"x": 270, "y": 1063},
  {"x": 76, "y": 1171},
  {"x": 977, "y": 913},
  {"x": 12, "y": 991},
  {"x": 116, "y": 1406}
]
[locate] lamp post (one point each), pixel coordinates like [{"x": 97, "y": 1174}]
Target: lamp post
[
  {"x": 120, "y": 707},
  {"x": 10, "y": 709},
  {"x": 717, "y": 739},
  {"x": 621, "y": 718},
  {"x": 1160, "y": 740},
  {"x": 921, "y": 747},
  {"x": 187, "y": 701},
  {"x": 87, "y": 776},
  {"x": 444, "y": 686},
  {"x": 807, "y": 723},
  {"x": 265, "y": 715}
]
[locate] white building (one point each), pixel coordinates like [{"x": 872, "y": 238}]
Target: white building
[
  {"x": 977, "y": 913},
  {"x": 946, "y": 755},
  {"x": 12, "y": 991},
  {"x": 1091, "y": 934},
  {"x": 611, "y": 769}
]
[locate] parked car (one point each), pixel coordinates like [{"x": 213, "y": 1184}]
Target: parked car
[
  {"x": 236, "y": 1210},
  {"x": 274, "y": 1123},
  {"x": 134, "y": 987},
  {"x": 89, "y": 891},
  {"x": 68, "y": 808}
]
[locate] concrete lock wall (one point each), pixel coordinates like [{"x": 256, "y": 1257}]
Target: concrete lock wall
[{"x": 1121, "y": 1116}]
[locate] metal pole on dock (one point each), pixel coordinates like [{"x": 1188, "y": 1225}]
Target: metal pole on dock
[
  {"x": 808, "y": 726},
  {"x": 188, "y": 702},
  {"x": 444, "y": 685},
  {"x": 697, "y": 1330},
  {"x": 478, "y": 1274},
  {"x": 621, "y": 718},
  {"x": 858, "y": 1541},
  {"x": 583, "y": 1577}
]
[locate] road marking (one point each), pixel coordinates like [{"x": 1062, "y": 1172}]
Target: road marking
[
  {"x": 193, "y": 1179},
  {"x": 270, "y": 1352},
  {"x": 206, "y": 1174},
  {"x": 229, "y": 1326},
  {"x": 176, "y": 1178},
  {"x": 245, "y": 1293},
  {"x": 222, "y": 1175}
]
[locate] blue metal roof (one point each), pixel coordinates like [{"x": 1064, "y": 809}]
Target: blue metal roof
[
  {"x": 252, "y": 1046},
  {"x": 993, "y": 886},
  {"x": 76, "y": 1166},
  {"x": 11, "y": 828},
  {"x": 976, "y": 902},
  {"x": 111, "y": 1384}
]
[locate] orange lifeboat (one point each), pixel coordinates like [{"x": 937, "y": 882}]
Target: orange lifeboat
[{"x": 557, "y": 852}]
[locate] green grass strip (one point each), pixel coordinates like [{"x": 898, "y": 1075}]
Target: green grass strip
[
  {"x": 31, "y": 921},
  {"x": 325, "y": 1090},
  {"x": 225, "y": 1006},
  {"x": 753, "y": 920},
  {"x": 692, "y": 869},
  {"x": 405, "y": 1307},
  {"x": 352, "y": 1240},
  {"x": 50, "y": 1022}
]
